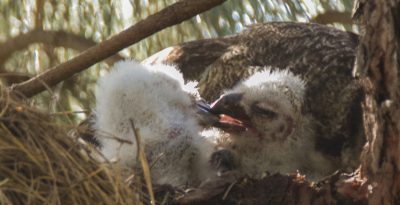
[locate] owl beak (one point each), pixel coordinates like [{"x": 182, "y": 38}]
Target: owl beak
[
  {"x": 205, "y": 117},
  {"x": 232, "y": 116}
]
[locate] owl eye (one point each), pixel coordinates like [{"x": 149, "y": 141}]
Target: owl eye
[{"x": 264, "y": 112}]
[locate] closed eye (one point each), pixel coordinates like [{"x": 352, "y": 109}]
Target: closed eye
[{"x": 264, "y": 112}]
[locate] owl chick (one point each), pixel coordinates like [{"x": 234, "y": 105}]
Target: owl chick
[
  {"x": 321, "y": 55},
  {"x": 153, "y": 98},
  {"x": 266, "y": 127}
]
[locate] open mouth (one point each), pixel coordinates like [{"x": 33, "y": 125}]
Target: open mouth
[
  {"x": 232, "y": 116},
  {"x": 225, "y": 113},
  {"x": 230, "y": 124}
]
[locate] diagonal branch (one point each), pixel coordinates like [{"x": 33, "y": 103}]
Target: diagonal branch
[
  {"x": 333, "y": 17},
  {"x": 169, "y": 16},
  {"x": 54, "y": 38}
]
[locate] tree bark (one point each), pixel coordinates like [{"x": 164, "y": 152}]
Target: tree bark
[
  {"x": 378, "y": 67},
  {"x": 169, "y": 16}
]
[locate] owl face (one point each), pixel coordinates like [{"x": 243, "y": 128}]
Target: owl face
[{"x": 266, "y": 106}]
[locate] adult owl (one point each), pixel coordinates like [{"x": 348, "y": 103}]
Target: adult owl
[{"x": 322, "y": 57}]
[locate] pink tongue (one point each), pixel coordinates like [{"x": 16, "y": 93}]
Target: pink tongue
[
  {"x": 230, "y": 120},
  {"x": 235, "y": 125}
]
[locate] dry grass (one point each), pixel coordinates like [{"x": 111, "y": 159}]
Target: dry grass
[{"x": 41, "y": 164}]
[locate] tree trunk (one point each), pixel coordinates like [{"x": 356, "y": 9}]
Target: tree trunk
[{"x": 378, "y": 67}]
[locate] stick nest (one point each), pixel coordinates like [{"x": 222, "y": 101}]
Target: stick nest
[{"x": 42, "y": 164}]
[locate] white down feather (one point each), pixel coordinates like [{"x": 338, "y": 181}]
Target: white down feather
[
  {"x": 270, "y": 145},
  {"x": 154, "y": 99}
]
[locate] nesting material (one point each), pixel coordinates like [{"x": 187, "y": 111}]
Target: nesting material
[{"x": 41, "y": 164}]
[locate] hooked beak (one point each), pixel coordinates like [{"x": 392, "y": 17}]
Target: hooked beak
[
  {"x": 232, "y": 116},
  {"x": 204, "y": 115}
]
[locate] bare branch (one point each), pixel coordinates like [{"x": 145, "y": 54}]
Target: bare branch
[
  {"x": 169, "y": 16},
  {"x": 54, "y": 38},
  {"x": 333, "y": 17},
  {"x": 9, "y": 78}
]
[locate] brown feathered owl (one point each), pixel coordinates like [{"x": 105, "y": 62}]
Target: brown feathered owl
[{"x": 322, "y": 56}]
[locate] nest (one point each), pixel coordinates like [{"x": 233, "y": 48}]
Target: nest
[{"x": 42, "y": 164}]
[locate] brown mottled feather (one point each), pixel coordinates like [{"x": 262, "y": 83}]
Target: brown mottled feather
[{"x": 323, "y": 56}]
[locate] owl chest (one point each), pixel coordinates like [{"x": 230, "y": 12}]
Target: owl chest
[
  {"x": 171, "y": 162},
  {"x": 271, "y": 157}
]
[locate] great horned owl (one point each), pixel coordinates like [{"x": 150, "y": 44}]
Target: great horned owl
[
  {"x": 154, "y": 99},
  {"x": 322, "y": 56},
  {"x": 267, "y": 128}
]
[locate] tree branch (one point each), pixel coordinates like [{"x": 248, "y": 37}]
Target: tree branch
[
  {"x": 333, "y": 17},
  {"x": 54, "y": 38},
  {"x": 9, "y": 78},
  {"x": 169, "y": 16}
]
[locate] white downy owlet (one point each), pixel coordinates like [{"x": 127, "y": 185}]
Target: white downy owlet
[
  {"x": 266, "y": 128},
  {"x": 154, "y": 99}
]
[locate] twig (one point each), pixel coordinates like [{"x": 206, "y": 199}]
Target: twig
[
  {"x": 169, "y": 16},
  {"x": 228, "y": 190},
  {"x": 144, "y": 163}
]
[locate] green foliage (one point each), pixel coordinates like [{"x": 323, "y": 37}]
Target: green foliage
[{"x": 99, "y": 19}]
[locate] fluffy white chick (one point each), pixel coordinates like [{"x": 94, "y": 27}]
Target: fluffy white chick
[
  {"x": 266, "y": 128},
  {"x": 154, "y": 99}
]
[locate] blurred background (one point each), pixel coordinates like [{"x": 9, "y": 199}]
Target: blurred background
[{"x": 37, "y": 34}]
